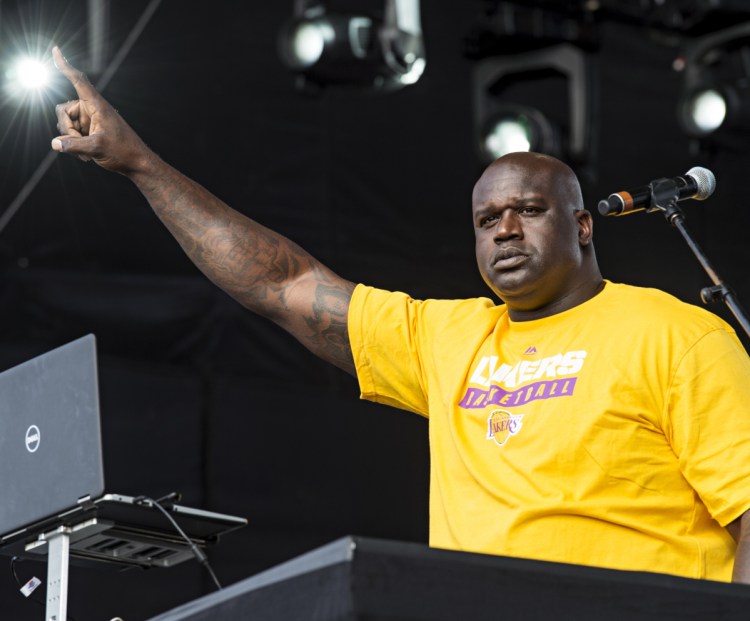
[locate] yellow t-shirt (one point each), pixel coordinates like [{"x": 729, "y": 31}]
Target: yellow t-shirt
[{"x": 614, "y": 434}]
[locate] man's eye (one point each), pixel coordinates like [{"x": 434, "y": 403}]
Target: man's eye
[
  {"x": 528, "y": 211},
  {"x": 487, "y": 220}
]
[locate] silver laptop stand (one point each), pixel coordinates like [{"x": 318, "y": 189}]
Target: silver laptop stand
[
  {"x": 57, "y": 543},
  {"x": 96, "y": 539}
]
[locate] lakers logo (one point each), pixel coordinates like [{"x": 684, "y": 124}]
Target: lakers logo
[{"x": 501, "y": 425}]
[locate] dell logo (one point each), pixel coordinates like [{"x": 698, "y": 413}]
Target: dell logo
[{"x": 32, "y": 438}]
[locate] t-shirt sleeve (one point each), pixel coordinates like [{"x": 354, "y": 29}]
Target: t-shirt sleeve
[
  {"x": 385, "y": 344},
  {"x": 709, "y": 414}
]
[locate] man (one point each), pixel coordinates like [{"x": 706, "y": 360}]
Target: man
[{"x": 581, "y": 421}]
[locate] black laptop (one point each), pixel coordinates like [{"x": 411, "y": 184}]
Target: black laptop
[{"x": 51, "y": 472}]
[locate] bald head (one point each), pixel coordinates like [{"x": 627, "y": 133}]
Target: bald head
[{"x": 533, "y": 169}]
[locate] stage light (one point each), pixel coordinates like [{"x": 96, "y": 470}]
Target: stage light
[
  {"x": 714, "y": 106},
  {"x": 704, "y": 111},
  {"x": 28, "y": 74},
  {"x": 327, "y": 44},
  {"x": 32, "y": 73},
  {"x": 717, "y": 111},
  {"x": 308, "y": 42},
  {"x": 539, "y": 98},
  {"x": 507, "y": 136},
  {"x": 518, "y": 128},
  {"x": 327, "y": 48}
]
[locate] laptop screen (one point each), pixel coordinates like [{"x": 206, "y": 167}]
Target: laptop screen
[{"x": 50, "y": 439}]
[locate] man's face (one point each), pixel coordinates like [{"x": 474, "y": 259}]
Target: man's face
[{"x": 529, "y": 236}]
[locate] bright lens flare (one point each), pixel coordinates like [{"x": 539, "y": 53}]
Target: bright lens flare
[
  {"x": 708, "y": 110},
  {"x": 30, "y": 74},
  {"x": 507, "y": 136},
  {"x": 308, "y": 44}
]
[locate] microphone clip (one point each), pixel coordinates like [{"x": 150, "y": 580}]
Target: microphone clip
[{"x": 664, "y": 196}]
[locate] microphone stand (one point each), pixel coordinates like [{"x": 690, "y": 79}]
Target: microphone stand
[{"x": 664, "y": 195}]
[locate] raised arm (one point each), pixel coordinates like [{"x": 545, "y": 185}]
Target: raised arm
[{"x": 264, "y": 271}]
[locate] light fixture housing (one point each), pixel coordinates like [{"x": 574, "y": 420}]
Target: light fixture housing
[
  {"x": 518, "y": 128},
  {"x": 566, "y": 136},
  {"x": 714, "y": 106},
  {"x": 345, "y": 49}
]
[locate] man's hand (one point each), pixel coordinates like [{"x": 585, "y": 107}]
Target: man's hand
[{"x": 93, "y": 130}]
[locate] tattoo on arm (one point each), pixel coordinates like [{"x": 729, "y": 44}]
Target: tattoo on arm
[
  {"x": 262, "y": 270},
  {"x": 328, "y": 324}
]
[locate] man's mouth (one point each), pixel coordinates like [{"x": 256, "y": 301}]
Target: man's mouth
[{"x": 508, "y": 258}]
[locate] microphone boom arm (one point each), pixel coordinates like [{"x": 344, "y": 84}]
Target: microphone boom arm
[{"x": 664, "y": 197}]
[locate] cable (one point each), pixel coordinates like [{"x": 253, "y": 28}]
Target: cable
[
  {"x": 13, "y": 572},
  {"x": 199, "y": 554}
]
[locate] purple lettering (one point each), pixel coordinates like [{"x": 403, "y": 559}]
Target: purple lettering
[{"x": 476, "y": 398}]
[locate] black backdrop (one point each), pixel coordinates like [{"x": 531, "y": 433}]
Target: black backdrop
[{"x": 201, "y": 397}]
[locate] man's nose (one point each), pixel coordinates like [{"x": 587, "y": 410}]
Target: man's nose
[{"x": 508, "y": 226}]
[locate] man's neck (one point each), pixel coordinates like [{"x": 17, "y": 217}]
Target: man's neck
[{"x": 576, "y": 296}]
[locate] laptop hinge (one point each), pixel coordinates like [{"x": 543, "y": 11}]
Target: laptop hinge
[{"x": 85, "y": 502}]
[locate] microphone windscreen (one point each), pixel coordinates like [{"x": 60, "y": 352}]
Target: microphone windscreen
[{"x": 705, "y": 180}]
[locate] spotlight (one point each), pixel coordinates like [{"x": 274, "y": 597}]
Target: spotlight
[
  {"x": 308, "y": 40},
  {"x": 714, "y": 106},
  {"x": 703, "y": 111},
  {"x": 507, "y": 136},
  {"x": 518, "y": 128},
  {"x": 28, "y": 74},
  {"x": 534, "y": 101},
  {"x": 32, "y": 73},
  {"x": 326, "y": 48}
]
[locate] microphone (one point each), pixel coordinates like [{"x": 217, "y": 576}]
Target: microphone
[{"x": 697, "y": 183}]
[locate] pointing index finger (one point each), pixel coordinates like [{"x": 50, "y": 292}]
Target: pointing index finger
[{"x": 77, "y": 78}]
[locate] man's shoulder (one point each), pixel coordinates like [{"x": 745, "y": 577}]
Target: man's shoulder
[
  {"x": 648, "y": 304},
  {"x": 444, "y": 310},
  {"x": 377, "y": 295}
]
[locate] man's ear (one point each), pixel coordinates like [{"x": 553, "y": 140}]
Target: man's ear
[{"x": 585, "y": 227}]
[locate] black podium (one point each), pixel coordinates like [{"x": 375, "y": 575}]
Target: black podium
[{"x": 365, "y": 579}]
